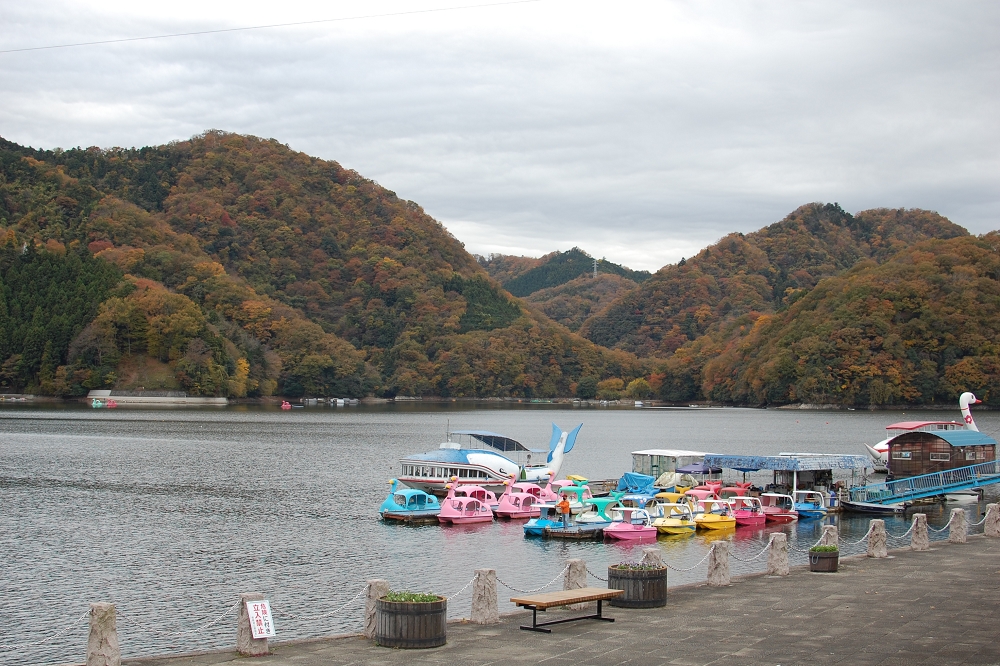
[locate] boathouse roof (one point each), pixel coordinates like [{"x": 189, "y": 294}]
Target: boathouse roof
[
  {"x": 953, "y": 437},
  {"x": 789, "y": 462}
]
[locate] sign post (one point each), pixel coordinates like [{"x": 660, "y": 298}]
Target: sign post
[{"x": 261, "y": 621}]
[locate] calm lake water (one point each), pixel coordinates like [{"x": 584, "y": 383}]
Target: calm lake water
[{"x": 171, "y": 513}]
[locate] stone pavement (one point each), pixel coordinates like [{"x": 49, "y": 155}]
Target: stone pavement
[{"x": 939, "y": 607}]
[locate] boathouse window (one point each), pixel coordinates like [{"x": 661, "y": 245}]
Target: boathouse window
[
  {"x": 980, "y": 455},
  {"x": 970, "y": 455},
  {"x": 902, "y": 455},
  {"x": 941, "y": 457}
]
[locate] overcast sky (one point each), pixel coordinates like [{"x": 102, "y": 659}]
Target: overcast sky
[{"x": 638, "y": 131}]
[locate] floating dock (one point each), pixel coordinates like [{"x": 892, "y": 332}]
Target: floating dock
[{"x": 584, "y": 532}]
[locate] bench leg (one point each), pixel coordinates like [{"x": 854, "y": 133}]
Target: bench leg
[
  {"x": 534, "y": 622},
  {"x": 536, "y": 626}
]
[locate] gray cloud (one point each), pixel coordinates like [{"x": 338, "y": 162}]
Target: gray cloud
[{"x": 638, "y": 140}]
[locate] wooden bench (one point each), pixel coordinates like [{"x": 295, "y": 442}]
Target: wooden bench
[{"x": 541, "y": 602}]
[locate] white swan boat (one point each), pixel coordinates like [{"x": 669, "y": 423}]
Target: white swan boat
[{"x": 879, "y": 453}]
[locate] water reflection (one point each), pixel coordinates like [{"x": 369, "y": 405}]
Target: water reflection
[{"x": 173, "y": 513}]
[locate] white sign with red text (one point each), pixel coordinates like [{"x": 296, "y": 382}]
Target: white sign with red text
[{"x": 261, "y": 622}]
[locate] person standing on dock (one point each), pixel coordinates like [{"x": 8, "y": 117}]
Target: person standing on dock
[{"x": 563, "y": 508}]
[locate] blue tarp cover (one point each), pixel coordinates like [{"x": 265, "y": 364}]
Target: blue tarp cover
[
  {"x": 638, "y": 484},
  {"x": 790, "y": 463}
]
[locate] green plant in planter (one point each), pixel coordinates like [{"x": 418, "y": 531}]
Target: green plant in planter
[
  {"x": 824, "y": 549},
  {"x": 412, "y": 597},
  {"x": 635, "y": 566}
]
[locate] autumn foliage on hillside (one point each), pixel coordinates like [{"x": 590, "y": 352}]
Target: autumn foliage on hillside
[
  {"x": 921, "y": 327},
  {"x": 758, "y": 272},
  {"x": 245, "y": 268}
]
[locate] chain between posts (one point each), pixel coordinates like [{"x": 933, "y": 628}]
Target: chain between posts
[
  {"x": 904, "y": 534},
  {"x": 464, "y": 587},
  {"x": 740, "y": 559},
  {"x": 855, "y": 543},
  {"x": 510, "y": 587},
  {"x": 174, "y": 634},
  {"x": 800, "y": 550},
  {"x": 603, "y": 580},
  {"x": 979, "y": 523},
  {"x": 63, "y": 632},
  {"x": 698, "y": 564},
  {"x": 293, "y": 616}
]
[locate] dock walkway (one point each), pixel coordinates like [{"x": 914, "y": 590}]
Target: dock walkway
[{"x": 938, "y": 607}]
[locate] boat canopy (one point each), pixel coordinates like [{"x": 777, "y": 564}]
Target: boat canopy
[
  {"x": 796, "y": 462},
  {"x": 497, "y": 441},
  {"x": 636, "y": 484}
]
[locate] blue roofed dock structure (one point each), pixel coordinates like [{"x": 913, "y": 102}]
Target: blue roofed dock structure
[{"x": 797, "y": 471}]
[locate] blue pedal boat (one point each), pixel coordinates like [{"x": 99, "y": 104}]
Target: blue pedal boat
[
  {"x": 536, "y": 526},
  {"x": 809, "y": 504},
  {"x": 409, "y": 505}
]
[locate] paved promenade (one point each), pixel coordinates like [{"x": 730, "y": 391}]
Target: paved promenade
[{"x": 939, "y": 607}]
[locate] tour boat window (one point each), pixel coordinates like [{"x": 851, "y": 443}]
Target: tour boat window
[
  {"x": 970, "y": 455},
  {"x": 902, "y": 455},
  {"x": 941, "y": 457}
]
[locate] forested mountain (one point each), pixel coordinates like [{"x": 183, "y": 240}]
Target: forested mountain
[
  {"x": 562, "y": 284},
  {"x": 921, "y": 327},
  {"x": 573, "y": 302},
  {"x": 522, "y": 276},
  {"x": 758, "y": 272},
  {"x": 231, "y": 265}
]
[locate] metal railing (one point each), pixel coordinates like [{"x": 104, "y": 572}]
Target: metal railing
[{"x": 928, "y": 485}]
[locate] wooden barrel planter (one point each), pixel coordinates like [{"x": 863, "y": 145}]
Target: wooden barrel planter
[
  {"x": 824, "y": 562},
  {"x": 644, "y": 588},
  {"x": 406, "y": 624}
]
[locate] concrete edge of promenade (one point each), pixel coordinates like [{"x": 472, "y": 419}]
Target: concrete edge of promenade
[{"x": 510, "y": 619}]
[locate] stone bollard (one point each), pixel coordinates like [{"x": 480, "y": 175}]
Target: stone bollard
[
  {"x": 652, "y": 557},
  {"x": 777, "y": 555},
  {"x": 920, "y": 539},
  {"x": 830, "y": 537},
  {"x": 575, "y": 578},
  {"x": 246, "y": 644},
  {"x": 102, "y": 643},
  {"x": 377, "y": 588},
  {"x": 718, "y": 564},
  {"x": 958, "y": 527},
  {"x": 484, "y": 597},
  {"x": 877, "y": 540},
  {"x": 991, "y": 527}
]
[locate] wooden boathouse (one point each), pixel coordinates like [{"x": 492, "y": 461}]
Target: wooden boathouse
[{"x": 926, "y": 452}]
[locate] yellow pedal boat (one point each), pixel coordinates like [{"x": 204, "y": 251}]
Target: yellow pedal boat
[
  {"x": 714, "y": 515},
  {"x": 676, "y": 519}
]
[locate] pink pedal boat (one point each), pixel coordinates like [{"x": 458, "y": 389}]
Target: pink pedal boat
[
  {"x": 458, "y": 510},
  {"x": 748, "y": 510},
  {"x": 518, "y": 501},
  {"x": 634, "y": 525},
  {"x": 779, "y": 508}
]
